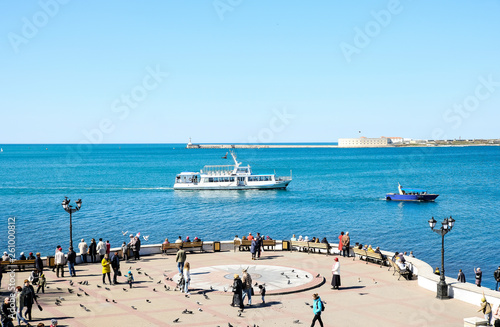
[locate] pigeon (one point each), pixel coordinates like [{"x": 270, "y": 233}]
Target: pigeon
[
  {"x": 211, "y": 288},
  {"x": 59, "y": 289},
  {"x": 154, "y": 289},
  {"x": 80, "y": 289},
  {"x": 114, "y": 301},
  {"x": 307, "y": 276},
  {"x": 86, "y": 309},
  {"x": 199, "y": 309},
  {"x": 107, "y": 289},
  {"x": 150, "y": 277},
  {"x": 148, "y": 301},
  {"x": 124, "y": 233},
  {"x": 239, "y": 314},
  {"x": 176, "y": 320},
  {"x": 78, "y": 294},
  {"x": 145, "y": 274},
  {"x": 138, "y": 268},
  {"x": 71, "y": 282},
  {"x": 296, "y": 321},
  {"x": 107, "y": 300},
  {"x": 99, "y": 286},
  {"x": 140, "y": 273},
  {"x": 298, "y": 276},
  {"x": 58, "y": 303},
  {"x": 133, "y": 307},
  {"x": 229, "y": 325},
  {"x": 289, "y": 282},
  {"x": 359, "y": 280},
  {"x": 125, "y": 289},
  {"x": 145, "y": 237},
  {"x": 70, "y": 290},
  {"x": 82, "y": 306},
  {"x": 159, "y": 282},
  {"x": 282, "y": 273},
  {"x": 307, "y": 303},
  {"x": 80, "y": 282},
  {"x": 197, "y": 302},
  {"x": 374, "y": 281},
  {"x": 293, "y": 270},
  {"x": 317, "y": 276},
  {"x": 87, "y": 294},
  {"x": 165, "y": 286},
  {"x": 61, "y": 298},
  {"x": 256, "y": 284}
]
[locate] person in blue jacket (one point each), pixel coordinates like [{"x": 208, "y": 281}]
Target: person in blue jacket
[{"x": 317, "y": 308}]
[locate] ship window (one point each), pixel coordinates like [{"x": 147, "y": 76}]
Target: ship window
[
  {"x": 231, "y": 179},
  {"x": 210, "y": 180}
]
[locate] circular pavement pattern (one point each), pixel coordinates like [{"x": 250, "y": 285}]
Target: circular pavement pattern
[{"x": 277, "y": 279}]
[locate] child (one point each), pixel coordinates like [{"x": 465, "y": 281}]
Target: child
[
  {"x": 41, "y": 283},
  {"x": 262, "y": 291},
  {"x": 125, "y": 251},
  {"x": 130, "y": 278}
]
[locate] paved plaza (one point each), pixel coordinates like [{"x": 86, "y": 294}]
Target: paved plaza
[{"x": 370, "y": 295}]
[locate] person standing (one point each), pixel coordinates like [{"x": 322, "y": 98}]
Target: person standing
[
  {"x": 340, "y": 243},
  {"x": 83, "y": 247},
  {"x": 28, "y": 293},
  {"x": 42, "y": 281},
  {"x": 137, "y": 248},
  {"x": 260, "y": 244},
  {"x": 101, "y": 249},
  {"x": 346, "y": 244},
  {"x": 6, "y": 313},
  {"x": 237, "y": 290},
  {"x": 479, "y": 276},
  {"x": 115, "y": 264},
  {"x": 246, "y": 280},
  {"x": 71, "y": 262},
  {"x": 124, "y": 251},
  {"x": 39, "y": 263},
  {"x": 336, "y": 274},
  {"x": 496, "y": 274},
  {"x": 486, "y": 310},
  {"x": 108, "y": 248},
  {"x": 253, "y": 248},
  {"x": 93, "y": 251},
  {"x": 461, "y": 276},
  {"x": 106, "y": 269},
  {"x": 180, "y": 258},
  {"x": 60, "y": 261},
  {"x": 317, "y": 309},
  {"x": 187, "y": 277}
]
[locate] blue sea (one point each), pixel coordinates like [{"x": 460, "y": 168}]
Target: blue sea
[{"x": 128, "y": 188}]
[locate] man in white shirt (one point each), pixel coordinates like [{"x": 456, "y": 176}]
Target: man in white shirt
[
  {"x": 101, "y": 249},
  {"x": 60, "y": 261},
  {"x": 179, "y": 240},
  {"x": 83, "y": 250}
]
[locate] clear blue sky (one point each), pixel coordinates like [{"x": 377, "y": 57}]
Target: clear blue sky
[{"x": 241, "y": 70}]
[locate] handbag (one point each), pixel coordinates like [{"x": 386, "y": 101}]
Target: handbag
[
  {"x": 251, "y": 291},
  {"x": 344, "y": 248}
]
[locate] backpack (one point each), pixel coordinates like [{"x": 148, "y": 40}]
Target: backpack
[{"x": 322, "y": 306}]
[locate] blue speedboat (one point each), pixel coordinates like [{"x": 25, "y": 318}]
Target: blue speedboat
[{"x": 410, "y": 194}]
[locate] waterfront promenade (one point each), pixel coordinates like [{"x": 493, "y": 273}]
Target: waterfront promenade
[{"x": 370, "y": 295}]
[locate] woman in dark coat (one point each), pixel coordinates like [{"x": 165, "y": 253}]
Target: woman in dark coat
[
  {"x": 238, "y": 292},
  {"x": 93, "y": 250},
  {"x": 253, "y": 248}
]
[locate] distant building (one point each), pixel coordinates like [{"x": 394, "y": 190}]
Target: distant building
[
  {"x": 395, "y": 140},
  {"x": 364, "y": 142}
]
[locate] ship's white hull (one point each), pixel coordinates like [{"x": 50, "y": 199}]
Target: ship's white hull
[{"x": 231, "y": 186}]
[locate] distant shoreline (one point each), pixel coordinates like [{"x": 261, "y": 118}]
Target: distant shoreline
[{"x": 313, "y": 146}]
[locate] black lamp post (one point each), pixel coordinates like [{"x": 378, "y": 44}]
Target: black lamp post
[
  {"x": 70, "y": 210},
  {"x": 447, "y": 225}
]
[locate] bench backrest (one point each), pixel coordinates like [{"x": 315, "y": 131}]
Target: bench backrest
[
  {"x": 170, "y": 246},
  {"x": 359, "y": 251},
  {"x": 18, "y": 262},
  {"x": 192, "y": 244},
  {"x": 298, "y": 243},
  {"x": 246, "y": 242},
  {"x": 317, "y": 245},
  {"x": 374, "y": 255},
  {"x": 269, "y": 243}
]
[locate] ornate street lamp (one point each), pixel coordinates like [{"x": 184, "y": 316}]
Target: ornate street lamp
[
  {"x": 446, "y": 226},
  {"x": 70, "y": 210}
]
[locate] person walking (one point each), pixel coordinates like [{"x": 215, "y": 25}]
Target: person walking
[
  {"x": 317, "y": 309},
  {"x": 187, "y": 277},
  {"x": 180, "y": 258},
  {"x": 340, "y": 243},
  {"x": 237, "y": 290},
  {"x": 71, "y": 262},
  {"x": 101, "y": 249},
  {"x": 246, "y": 280},
  {"x": 479, "y": 276},
  {"x": 28, "y": 293},
  {"x": 346, "y": 244},
  {"x": 115, "y": 264},
  {"x": 20, "y": 306},
  {"x": 336, "y": 274},
  {"x": 60, "y": 261},
  {"x": 6, "y": 313},
  {"x": 253, "y": 248},
  {"x": 93, "y": 251},
  {"x": 461, "y": 276},
  {"x": 84, "y": 248},
  {"x": 39, "y": 262},
  {"x": 496, "y": 274},
  {"x": 106, "y": 269}
]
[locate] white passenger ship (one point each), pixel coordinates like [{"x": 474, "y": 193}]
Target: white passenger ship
[{"x": 229, "y": 177}]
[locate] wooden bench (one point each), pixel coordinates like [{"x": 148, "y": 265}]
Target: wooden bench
[
  {"x": 369, "y": 256},
  {"x": 236, "y": 245},
  {"x": 170, "y": 246},
  {"x": 245, "y": 245},
  {"x": 192, "y": 245},
  {"x": 397, "y": 270},
  {"x": 18, "y": 264},
  {"x": 360, "y": 252},
  {"x": 311, "y": 247},
  {"x": 269, "y": 244},
  {"x": 299, "y": 245}
]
